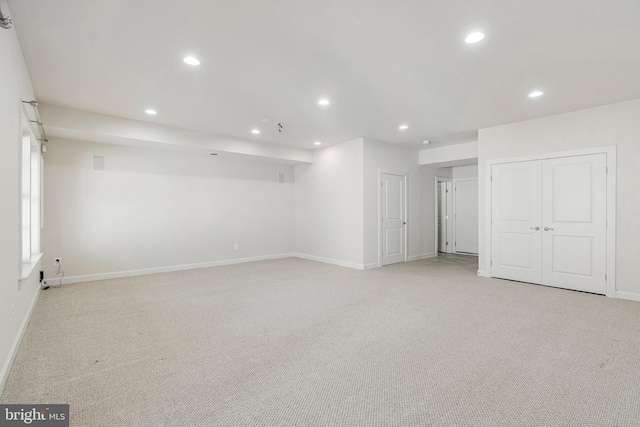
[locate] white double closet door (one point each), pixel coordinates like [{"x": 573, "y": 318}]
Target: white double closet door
[{"x": 548, "y": 222}]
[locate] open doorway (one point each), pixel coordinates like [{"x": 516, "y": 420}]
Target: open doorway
[
  {"x": 456, "y": 210},
  {"x": 444, "y": 215},
  {"x": 465, "y": 216}
]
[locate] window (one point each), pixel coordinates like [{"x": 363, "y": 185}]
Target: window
[{"x": 30, "y": 197}]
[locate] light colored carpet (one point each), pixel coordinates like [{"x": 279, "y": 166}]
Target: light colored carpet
[{"x": 298, "y": 343}]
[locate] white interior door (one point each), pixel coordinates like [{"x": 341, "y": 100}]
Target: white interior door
[
  {"x": 516, "y": 246},
  {"x": 466, "y": 216},
  {"x": 574, "y": 215},
  {"x": 392, "y": 201}
]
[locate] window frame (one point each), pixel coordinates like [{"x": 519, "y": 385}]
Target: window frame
[{"x": 31, "y": 167}]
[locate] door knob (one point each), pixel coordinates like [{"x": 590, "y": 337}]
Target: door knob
[
  {"x": 535, "y": 228},
  {"x": 547, "y": 229}
]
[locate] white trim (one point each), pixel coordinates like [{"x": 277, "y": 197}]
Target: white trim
[
  {"x": 484, "y": 273},
  {"x": 4, "y": 374},
  {"x": 332, "y": 261},
  {"x": 379, "y": 193},
  {"x": 405, "y": 188},
  {"x": 28, "y": 267},
  {"x": 628, "y": 296},
  {"x": 611, "y": 152},
  {"x": 423, "y": 256},
  {"x": 131, "y": 273},
  {"x": 554, "y": 155},
  {"x": 612, "y": 174},
  {"x": 371, "y": 265}
]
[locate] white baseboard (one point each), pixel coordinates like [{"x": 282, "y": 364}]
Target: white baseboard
[
  {"x": 333, "y": 261},
  {"x": 130, "y": 273},
  {"x": 423, "y": 256},
  {"x": 483, "y": 273},
  {"x": 370, "y": 266},
  {"x": 4, "y": 374},
  {"x": 628, "y": 296}
]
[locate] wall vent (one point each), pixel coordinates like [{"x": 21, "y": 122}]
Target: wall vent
[{"x": 99, "y": 163}]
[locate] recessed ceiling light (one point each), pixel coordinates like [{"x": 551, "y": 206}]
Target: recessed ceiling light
[
  {"x": 474, "y": 37},
  {"x": 191, "y": 60},
  {"x": 324, "y": 102},
  {"x": 403, "y": 127},
  {"x": 536, "y": 93},
  {"x": 151, "y": 112},
  {"x": 426, "y": 141},
  {"x": 255, "y": 131},
  {"x": 317, "y": 143},
  {"x": 213, "y": 154}
]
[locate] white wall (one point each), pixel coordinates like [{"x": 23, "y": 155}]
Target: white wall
[
  {"x": 467, "y": 171},
  {"x": 390, "y": 158},
  {"x": 617, "y": 124},
  {"x": 69, "y": 123},
  {"x": 14, "y": 294},
  {"x": 444, "y": 172},
  {"x": 329, "y": 205},
  {"x": 456, "y": 154},
  {"x": 428, "y": 213},
  {"x": 153, "y": 209}
]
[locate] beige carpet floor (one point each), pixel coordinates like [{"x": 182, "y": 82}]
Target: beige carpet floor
[{"x": 297, "y": 343}]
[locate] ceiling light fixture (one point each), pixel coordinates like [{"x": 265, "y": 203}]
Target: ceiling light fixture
[
  {"x": 323, "y": 102},
  {"x": 426, "y": 141},
  {"x": 317, "y": 143},
  {"x": 474, "y": 37},
  {"x": 536, "y": 93},
  {"x": 255, "y": 131},
  {"x": 403, "y": 127},
  {"x": 151, "y": 112},
  {"x": 191, "y": 60}
]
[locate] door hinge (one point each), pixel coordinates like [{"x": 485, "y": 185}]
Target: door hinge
[
  {"x": 491, "y": 262},
  {"x": 605, "y": 277},
  {"x": 447, "y": 243},
  {"x": 381, "y": 184},
  {"x": 491, "y": 178},
  {"x": 606, "y": 169}
]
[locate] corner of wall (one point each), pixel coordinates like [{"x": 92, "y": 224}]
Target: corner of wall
[{"x": 30, "y": 288}]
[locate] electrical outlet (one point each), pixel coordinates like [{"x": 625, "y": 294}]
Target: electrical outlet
[
  {"x": 236, "y": 246},
  {"x": 57, "y": 261}
]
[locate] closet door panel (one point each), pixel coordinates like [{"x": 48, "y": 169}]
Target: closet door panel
[
  {"x": 574, "y": 223},
  {"x": 516, "y": 221}
]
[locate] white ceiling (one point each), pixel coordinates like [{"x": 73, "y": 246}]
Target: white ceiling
[{"x": 381, "y": 63}]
